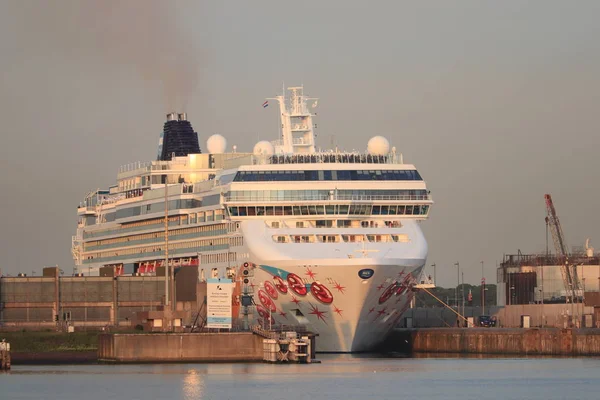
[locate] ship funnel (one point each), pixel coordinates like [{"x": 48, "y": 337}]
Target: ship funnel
[{"x": 178, "y": 138}]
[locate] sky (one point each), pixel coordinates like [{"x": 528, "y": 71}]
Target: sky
[{"x": 495, "y": 102}]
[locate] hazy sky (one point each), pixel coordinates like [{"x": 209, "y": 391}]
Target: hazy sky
[{"x": 495, "y": 102}]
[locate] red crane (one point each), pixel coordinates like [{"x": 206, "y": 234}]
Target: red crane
[{"x": 569, "y": 272}]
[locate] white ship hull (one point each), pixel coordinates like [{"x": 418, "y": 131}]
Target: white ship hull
[
  {"x": 350, "y": 295},
  {"x": 349, "y": 313}
]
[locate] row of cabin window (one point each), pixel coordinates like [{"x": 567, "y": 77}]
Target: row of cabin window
[
  {"x": 193, "y": 218},
  {"x": 342, "y": 209},
  {"x": 339, "y": 238},
  {"x": 341, "y": 223},
  {"x": 156, "y": 248},
  {"x": 328, "y": 175},
  {"x": 161, "y": 234}
]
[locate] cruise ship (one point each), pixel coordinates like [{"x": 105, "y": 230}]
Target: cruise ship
[{"x": 328, "y": 240}]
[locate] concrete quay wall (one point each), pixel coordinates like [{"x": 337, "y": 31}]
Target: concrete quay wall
[
  {"x": 533, "y": 341},
  {"x": 180, "y": 347}
]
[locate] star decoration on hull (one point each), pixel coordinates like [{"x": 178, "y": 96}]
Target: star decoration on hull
[
  {"x": 320, "y": 314},
  {"x": 310, "y": 273},
  {"x": 380, "y": 286},
  {"x": 337, "y": 311},
  {"x": 295, "y": 300},
  {"x": 371, "y": 310},
  {"x": 381, "y": 312},
  {"x": 284, "y": 315},
  {"x": 339, "y": 288}
]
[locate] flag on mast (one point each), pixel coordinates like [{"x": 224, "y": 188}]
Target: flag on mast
[{"x": 266, "y": 104}]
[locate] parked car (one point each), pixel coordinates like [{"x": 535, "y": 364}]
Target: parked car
[{"x": 486, "y": 321}]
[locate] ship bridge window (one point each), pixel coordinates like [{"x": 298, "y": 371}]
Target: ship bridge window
[
  {"x": 287, "y": 195},
  {"x": 312, "y": 210},
  {"x": 344, "y": 223},
  {"x": 328, "y": 175}
]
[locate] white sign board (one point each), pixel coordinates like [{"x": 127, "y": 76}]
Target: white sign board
[{"x": 218, "y": 303}]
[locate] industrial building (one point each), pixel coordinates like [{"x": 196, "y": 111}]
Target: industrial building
[
  {"x": 536, "y": 279},
  {"x": 97, "y": 302}
]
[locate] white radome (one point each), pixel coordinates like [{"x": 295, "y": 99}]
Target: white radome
[
  {"x": 378, "y": 146},
  {"x": 263, "y": 147},
  {"x": 216, "y": 144}
]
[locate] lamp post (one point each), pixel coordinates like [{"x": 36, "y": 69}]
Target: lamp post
[
  {"x": 583, "y": 297},
  {"x": 462, "y": 289},
  {"x": 482, "y": 291},
  {"x": 434, "y": 274},
  {"x": 457, "y": 283}
]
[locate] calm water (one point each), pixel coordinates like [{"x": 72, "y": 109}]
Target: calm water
[{"x": 338, "y": 377}]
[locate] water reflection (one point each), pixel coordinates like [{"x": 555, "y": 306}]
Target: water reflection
[
  {"x": 193, "y": 385},
  {"x": 339, "y": 377}
]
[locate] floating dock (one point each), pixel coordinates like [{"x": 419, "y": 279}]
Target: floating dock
[
  {"x": 205, "y": 347},
  {"x": 180, "y": 347}
]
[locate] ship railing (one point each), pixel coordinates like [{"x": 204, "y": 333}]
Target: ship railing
[
  {"x": 204, "y": 186},
  {"x": 134, "y": 166},
  {"x": 167, "y": 165},
  {"x": 236, "y": 198}
]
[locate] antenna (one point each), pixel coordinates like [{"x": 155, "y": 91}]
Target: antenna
[{"x": 589, "y": 251}]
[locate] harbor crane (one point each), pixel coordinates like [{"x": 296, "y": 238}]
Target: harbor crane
[{"x": 568, "y": 272}]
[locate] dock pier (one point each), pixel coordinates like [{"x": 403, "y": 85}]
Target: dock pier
[
  {"x": 517, "y": 341},
  {"x": 285, "y": 347},
  {"x": 254, "y": 346}
]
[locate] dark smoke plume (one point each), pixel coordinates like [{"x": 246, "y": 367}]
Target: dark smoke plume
[{"x": 140, "y": 33}]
